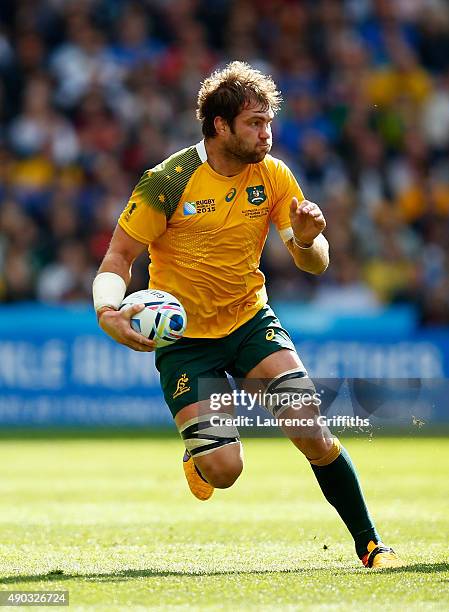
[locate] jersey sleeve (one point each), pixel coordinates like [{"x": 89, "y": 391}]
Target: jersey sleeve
[
  {"x": 286, "y": 188},
  {"x": 145, "y": 215}
]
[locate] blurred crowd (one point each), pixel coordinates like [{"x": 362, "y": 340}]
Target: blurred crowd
[{"x": 92, "y": 92}]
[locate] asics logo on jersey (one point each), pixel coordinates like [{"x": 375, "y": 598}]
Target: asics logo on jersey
[
  {"x": 256, "y": 194},
  {"x": 231, "y": 194}
]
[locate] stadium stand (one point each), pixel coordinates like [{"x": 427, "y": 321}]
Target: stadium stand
[{"x": 93, "y": 92}]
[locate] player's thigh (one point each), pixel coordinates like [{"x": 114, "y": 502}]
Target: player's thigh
[
  {"x": 212, "y": 439},
  {"x": 272, "y": 367},
  {"x": 292, "y": 398},
  {"x": 264, "y": 352},
  {"x": 193, "y": 381},
  {"x": 283, "y": 360},
  {"x": 261, "y": 340},
  {"x": 191, "y": 370}
]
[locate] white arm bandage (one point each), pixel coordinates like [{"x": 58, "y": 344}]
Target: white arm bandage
[{"x": 108, "y": 289}]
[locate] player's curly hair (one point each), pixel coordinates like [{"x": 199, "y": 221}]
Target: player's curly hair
[{"x": 226, "y": 93}]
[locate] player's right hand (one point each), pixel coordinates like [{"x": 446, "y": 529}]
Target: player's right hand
[{"x": 116, "y": 323}]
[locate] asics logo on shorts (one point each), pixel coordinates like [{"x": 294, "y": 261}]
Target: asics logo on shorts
[{"x": 270, "y": 334}]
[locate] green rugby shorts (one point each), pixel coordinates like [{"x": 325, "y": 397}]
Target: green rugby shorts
[{"x": 182, "y": 364}]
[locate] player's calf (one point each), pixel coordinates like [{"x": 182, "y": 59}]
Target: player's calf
[{"x": 330, "y": 463}]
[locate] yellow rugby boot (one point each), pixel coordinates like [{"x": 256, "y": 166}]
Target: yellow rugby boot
[
  {"x": 380, "y": 556},
  {"x": 199, "y": 487}
]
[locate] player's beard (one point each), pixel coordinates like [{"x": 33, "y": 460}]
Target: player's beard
[{"x": 236, "y": 148}]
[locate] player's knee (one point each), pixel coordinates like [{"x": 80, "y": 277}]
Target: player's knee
[
  {"x": 320, "y": 451},
  {"x": 222, "y": 468},
  {"x": 223, "y": 475},
  {"x": 314, "y": 446}
]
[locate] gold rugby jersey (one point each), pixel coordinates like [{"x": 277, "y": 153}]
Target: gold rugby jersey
[{"x": 205, "y": 234}]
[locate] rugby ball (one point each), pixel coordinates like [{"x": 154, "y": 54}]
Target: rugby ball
[{"x": 163, "y": 319}]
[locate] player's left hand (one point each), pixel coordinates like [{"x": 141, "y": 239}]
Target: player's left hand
[{"x": 307, "y": 221}]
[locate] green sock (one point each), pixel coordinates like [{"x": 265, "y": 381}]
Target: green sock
[{"x": 340, "y": 485}]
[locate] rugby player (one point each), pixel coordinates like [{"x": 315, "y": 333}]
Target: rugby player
[{"x": 203, "y": 214}]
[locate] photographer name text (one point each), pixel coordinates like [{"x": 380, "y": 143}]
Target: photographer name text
[{"x": 257, "y": 421}]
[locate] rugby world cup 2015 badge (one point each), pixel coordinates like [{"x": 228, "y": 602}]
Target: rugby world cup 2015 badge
[
  {"x": 256, "y": 194},
  {"x": 189, "y": 208}
]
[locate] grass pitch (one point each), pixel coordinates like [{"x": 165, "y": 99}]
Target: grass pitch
[{"x": 112, "y": 521}]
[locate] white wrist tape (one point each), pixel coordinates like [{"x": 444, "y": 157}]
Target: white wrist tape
[{"x": 108, "y": 289}]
